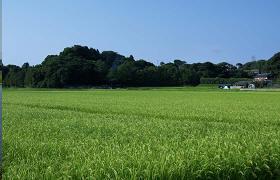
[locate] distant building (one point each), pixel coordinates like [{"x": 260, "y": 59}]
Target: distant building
[
  {"x": 259, "y": 81},
  {"x": 263, "y": 80},
  {"x": 243, "y": 84},
  {"x": 262, "y": 77}
]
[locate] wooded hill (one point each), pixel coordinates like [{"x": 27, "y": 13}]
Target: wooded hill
[{"x": 80, "y": 66}]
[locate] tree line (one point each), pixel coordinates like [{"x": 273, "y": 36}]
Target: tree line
[{"x": 81, "y": 66}]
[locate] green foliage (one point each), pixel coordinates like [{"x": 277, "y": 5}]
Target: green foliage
[
  {"x": 189, "y": 76},
  {"x": 80, "y": 66},
  {"x": 179, "y": 133},
  {"x": 274, "y": 65},
  {"x": 15, "y": 77}
]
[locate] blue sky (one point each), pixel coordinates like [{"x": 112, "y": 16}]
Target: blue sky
[{"x": 191, "y": 30}]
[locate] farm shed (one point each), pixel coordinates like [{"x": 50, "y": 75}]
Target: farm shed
[{"x": 242, "y": 84}]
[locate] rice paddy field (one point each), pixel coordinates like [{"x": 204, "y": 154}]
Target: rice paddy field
[{"x": 175, "y": 133}]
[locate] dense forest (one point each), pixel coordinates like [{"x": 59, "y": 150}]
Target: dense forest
[{"x": 80, "y": 66}]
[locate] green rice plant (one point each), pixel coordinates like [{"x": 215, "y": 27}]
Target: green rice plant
[{"x": 162, "y": 133}]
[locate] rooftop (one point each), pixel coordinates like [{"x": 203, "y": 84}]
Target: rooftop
[{"x": 263, "y": 75}]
